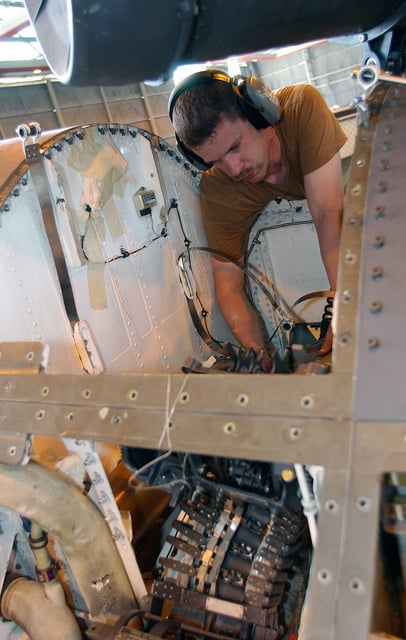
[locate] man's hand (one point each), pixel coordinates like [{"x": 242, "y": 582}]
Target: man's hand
[
  {"x": 267, "y": 363},
  {"x": 328, "y": 342}
]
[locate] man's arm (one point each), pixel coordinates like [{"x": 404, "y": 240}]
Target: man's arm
[
  {"x": 325, "y": 193},
  {"x": 239, "y": 314}
]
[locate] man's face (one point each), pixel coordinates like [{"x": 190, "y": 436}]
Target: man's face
[{"x": 241, "y": 151}]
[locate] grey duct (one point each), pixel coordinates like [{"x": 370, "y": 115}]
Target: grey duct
[
  {"x": 26, "y": 603},
  {"x": 62, "y": 510},
  {"x": 147, "y": 39}
]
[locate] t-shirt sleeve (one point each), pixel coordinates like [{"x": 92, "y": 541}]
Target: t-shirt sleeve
[{"x": 318, "y": 131}]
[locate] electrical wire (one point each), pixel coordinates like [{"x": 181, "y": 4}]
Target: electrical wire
[{"x": 169, "y": 411}]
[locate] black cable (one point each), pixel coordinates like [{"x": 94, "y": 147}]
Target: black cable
[{"x": 243, "y": 268}]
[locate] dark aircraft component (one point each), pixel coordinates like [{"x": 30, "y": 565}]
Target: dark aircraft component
[{"x": 109, "y": 43}]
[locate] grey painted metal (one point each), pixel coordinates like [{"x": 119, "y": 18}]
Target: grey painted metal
[{"x": 380, "y": 390}]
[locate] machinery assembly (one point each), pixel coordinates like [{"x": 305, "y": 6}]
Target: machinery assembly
[{"x": 154, "y": 482}]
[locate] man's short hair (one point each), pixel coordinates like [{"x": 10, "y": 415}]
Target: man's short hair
[{"x": 200, "y": 108}]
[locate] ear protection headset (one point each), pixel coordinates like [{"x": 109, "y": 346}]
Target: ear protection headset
[{"x": 257, "y": 103}]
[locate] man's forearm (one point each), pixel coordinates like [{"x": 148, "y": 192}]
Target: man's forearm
[
  {"x": 243, "y": 321},
  {"x": 329, "y": 249}
]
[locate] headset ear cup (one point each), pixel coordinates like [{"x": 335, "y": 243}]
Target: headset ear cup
[
  {"x": 262, "y": 99},
  {"x": 192, "y": 157}
]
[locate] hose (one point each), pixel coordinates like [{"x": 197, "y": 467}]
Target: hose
[{"x": 25, "y": 602}]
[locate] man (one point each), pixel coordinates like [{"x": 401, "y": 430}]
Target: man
[{"x": 254, "y": 146}]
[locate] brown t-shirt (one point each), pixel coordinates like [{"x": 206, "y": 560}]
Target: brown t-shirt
[{"x": 310, "y": 136}]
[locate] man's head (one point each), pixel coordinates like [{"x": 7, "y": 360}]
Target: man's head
[{"x": 202, "y": 101}]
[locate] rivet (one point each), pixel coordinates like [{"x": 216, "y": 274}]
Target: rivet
[
  {"x": 356, "y": 190},
  {"x": 383, "y": 165},
  {"x": 40, "y": 414},
  {"x": 380, "y": 212},
  {"x": 307, "y": 402},
  {"x": 382, "y": 186},
  {"x": 86, "y": 393},
  {"x": 132, "y": 395},
  {"x": 44, "y": 391},
  {"x": 356, "y": 585},
  {"x": 363, "y": 503},
  {"x": 379, "y": 242},
  {"x": 376, "y": 306},
  {"x": 331, "y": 506},
  {"x": 373, "y": 343},
  {"x": 344, "y": 339},
  {"x": 295, "y": 433},
  {"x": 242, "y": 399},
  {"x": 229, "y": 428},
  {"x": 347, "y": 297},
  {"x": 184, "y": 398},
  {"x": 349, "y": 258},
  {"x": 324, "y": 576},
  {"x": 377, "y": 272},
  {"x": 12, "y": 451}
]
